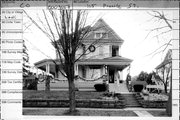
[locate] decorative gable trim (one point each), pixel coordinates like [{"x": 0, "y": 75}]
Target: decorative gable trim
[
  {"x": 112, "y": 36},
  {"x": 110, "y": 29}
]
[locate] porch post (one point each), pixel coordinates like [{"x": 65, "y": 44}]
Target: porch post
[
  {"x": 103, "y": 70},
  {"x": 76, "y": 69},
  {"x": 116, "y": 76},
  {"x": 36, "y": 72},
  {"x": 121, "y": 75},
  {"x": 47, "y": 68},
  {"x": 47, "y": 80},
  {"x": 107, "y": 72}
]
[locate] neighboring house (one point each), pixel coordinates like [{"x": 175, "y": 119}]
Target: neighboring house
[
  {"x": 157, "y": 84},
  {"x": 156, "y": 80},
  {"x": 164, "y": 69},
  {"x": 104, "y": 63}
]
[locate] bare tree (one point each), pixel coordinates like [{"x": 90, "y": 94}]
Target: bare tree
[
  {"x": 166, "y": 72},
  {"x": 66, "y": 29},
  {"x": 166, "y": 28}
]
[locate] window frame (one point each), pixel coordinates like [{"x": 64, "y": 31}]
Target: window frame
[{"x": 101, "y": 35}]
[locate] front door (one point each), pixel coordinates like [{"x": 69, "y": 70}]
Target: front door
[{"x": 111, "y": 76}]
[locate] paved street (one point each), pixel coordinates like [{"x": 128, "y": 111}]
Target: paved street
[{"x": 141, "y": 112}]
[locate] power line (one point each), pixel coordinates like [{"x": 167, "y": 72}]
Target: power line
[{"x": 37, "y": 48}]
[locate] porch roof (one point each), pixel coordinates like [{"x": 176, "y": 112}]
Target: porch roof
[
  {"x": 117, "y": 62},
  {"x": 114, "y": 62},
  {"x": 42, "y": 64},
  {"x": 46, "y": 61}
]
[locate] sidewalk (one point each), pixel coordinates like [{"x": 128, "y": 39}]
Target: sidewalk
[
  {"x": 143, "y": 114},
  {"x": 140, "y": 112},
  {"x": 144, "y": 109},
  {"x": 81, "y": 112}
]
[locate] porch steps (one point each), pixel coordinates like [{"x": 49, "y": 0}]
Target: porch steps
[{"x": 130, "y": 100}]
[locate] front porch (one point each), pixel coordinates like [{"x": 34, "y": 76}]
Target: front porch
[{"x": 88, "y": 71}]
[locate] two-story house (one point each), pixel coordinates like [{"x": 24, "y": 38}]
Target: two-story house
[
  {"x": 104, "y": 61},
  {"x": 164, "y": 69}
]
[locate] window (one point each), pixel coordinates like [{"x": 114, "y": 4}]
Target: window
[
  {"x": 83, "y": 72},
  {"x": 101, "y": 35},
  {"x": 97, "y": 35},
  {"x": 115, "y": 51},
  {"x": 104, "y": 35},
  {"x": 94, "y": 71}
]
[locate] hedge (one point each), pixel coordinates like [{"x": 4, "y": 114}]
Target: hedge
[
  {"x": 100, "y": 87},
  {"x": 150, "y": 104},
  {"x": 93, "y": 103}
]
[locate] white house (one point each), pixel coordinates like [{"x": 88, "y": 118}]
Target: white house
[
  {"x": 164, "y": 68},
  {"x": 104, "y": 63}
]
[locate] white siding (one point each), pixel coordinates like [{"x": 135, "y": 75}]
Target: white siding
[
  {"x": 79, "y": 52},
  {"x": 106, "y": 51}
]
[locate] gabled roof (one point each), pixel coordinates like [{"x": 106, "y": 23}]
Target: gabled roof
[
  {"x": 167, "y": 59},
  {"x": 101, "y": 25}
]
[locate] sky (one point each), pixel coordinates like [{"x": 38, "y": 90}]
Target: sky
[{"x": 131, "y": 25}]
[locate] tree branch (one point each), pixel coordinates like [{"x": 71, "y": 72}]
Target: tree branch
[{"x": 38, "y": 25}]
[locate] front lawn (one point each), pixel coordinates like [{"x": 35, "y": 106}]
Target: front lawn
[{"x": 59, "y": 95}]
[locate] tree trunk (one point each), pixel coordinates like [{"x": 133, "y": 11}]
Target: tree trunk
[
  {"x": 72, "y": 100},
  {"x": 47, "y": 87},
  {"x": 169, "y": 103},
  {"x": 165, "y": 88}
]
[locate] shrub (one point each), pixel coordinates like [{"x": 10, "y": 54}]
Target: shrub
[
  {"x": 138, "y": 88},
  {"x": 121, "y": 81},
  {"x": 100, "y": 87},
  {"x": 30, "y": 84}
]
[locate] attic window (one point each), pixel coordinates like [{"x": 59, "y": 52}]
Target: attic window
[{"x": 99, "y": 35}]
